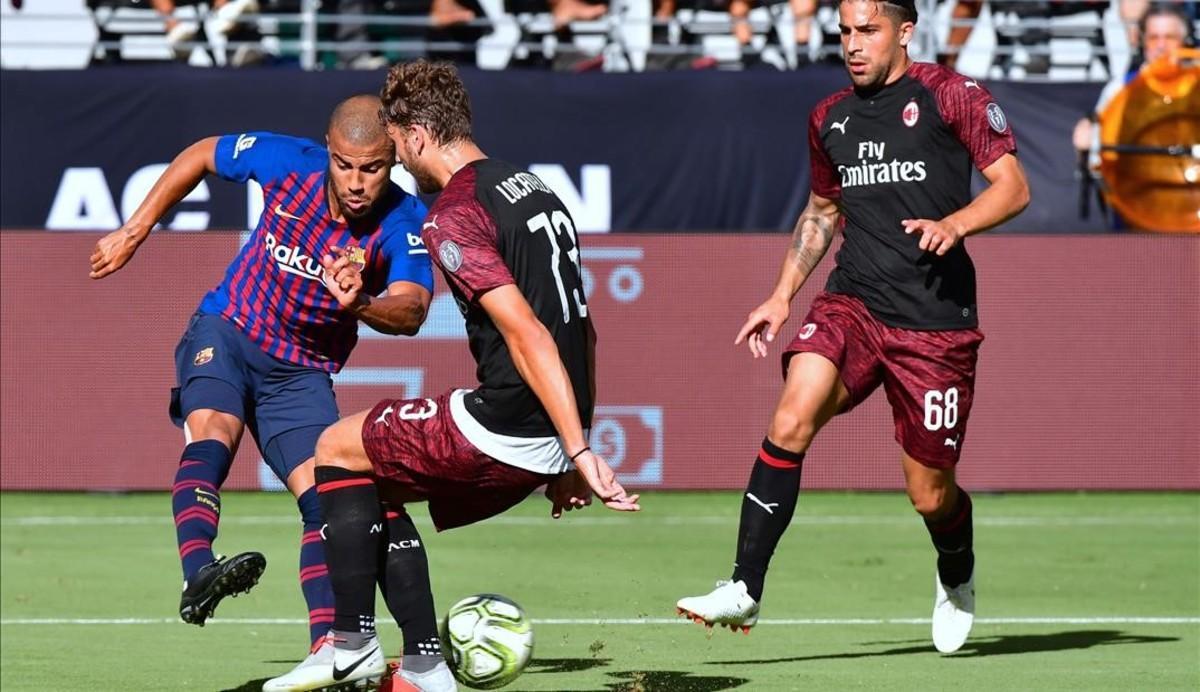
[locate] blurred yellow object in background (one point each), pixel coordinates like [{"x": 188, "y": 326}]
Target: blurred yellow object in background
[{"x": 1150, "y": 146}]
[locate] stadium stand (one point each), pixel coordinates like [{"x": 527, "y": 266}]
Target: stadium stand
[{"x": 1018, "y": 39}]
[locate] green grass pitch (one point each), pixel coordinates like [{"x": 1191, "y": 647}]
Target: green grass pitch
[{"x": 1076, "y": 592}]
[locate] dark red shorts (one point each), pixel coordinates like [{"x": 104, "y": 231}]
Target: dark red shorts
[
  {"x": 929, "y": 376},
  {"x": 415, "y": 446}
]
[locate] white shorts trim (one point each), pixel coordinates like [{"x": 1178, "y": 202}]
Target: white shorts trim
[{"x": 538, "y": 454}]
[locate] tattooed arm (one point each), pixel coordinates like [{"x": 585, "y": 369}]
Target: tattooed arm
[{"x": 810, "y": 240}]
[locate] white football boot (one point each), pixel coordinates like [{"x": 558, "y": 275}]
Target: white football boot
[
  {"x": 953, "y": 614},
  {"x": 328, "y": 666},
  {"x": 314, "y": 670},
  {"x": 728, "y": 605}
]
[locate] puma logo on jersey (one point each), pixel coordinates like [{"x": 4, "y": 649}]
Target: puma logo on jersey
[
  {"x": 382, "y": 419},
  {"x": 972, "y": 83},
  {"x": 431, "y": 223},
  {"x": 768, "y": 506},
  {"x": 840, "y": 127},
  {"x": 951, "y": 442}
]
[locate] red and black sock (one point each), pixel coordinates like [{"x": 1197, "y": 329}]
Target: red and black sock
[
  {"x": 196, "y": 501},
  {"x": 405, "y": 584},
  {"x": 767, "y": 509},
  {"x": 353, "y": 529},
  {"x": 953, "y": 536},
  {"x": 314, "y": 573}
]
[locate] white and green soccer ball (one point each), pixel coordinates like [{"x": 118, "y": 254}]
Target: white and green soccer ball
[{"x": 490, "y": 640}]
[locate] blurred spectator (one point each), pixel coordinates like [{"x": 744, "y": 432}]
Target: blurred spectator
[
  {"x": 1030, "y": 37},
  {"x": 567, "y": 11},
  {"x": 803, "y": 12},
  {"x": 1163, "y": 27},
  {"x": 353, "y": 31},
  {"x": 444, "y": 13},
  {"x": 225, "y": 16}
]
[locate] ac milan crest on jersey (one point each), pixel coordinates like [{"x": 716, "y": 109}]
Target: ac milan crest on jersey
[{"x": 912, "y": 112}]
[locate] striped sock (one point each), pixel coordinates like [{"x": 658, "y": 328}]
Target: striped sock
[
  {"x": 314, "y": 574},
  {"x": 196, "y": 501}
]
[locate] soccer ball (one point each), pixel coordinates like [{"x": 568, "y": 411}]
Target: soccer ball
[{"x": 490, "y": 640}]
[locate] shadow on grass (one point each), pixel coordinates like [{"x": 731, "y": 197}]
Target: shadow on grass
[
  {"x": 564, "y": 665},
  {"x": 671, "y": 681},
  {"x": 248, "y": 686},
  {"x": 990, "y": 646}
]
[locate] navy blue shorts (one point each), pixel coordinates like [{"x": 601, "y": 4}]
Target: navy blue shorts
[{"x": 285, "y": 406}]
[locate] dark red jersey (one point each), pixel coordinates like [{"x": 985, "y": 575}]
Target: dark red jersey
[
  {"x": 496, "y": 224},
  {"x": 906, "y": 152}
]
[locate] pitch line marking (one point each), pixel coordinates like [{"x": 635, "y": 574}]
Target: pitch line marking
[
  {"x": 1113, "y": 620},
  {"x": 901, "y": 519}
]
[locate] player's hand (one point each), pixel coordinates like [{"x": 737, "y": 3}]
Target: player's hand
[
  {"x": 568, "y": 491},
  {"x": 763, "y": 324},
  {"x": 603, "y": 482},
  {"x": 342, "y": 278},
  {"x": 936, "y": 236},
  {"x": 113, "y": 251}
]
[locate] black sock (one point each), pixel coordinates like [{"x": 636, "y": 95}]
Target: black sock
[
  {"x": 353, "y": 528},
  {"x": 953, "y": 536},
  {"x": 767, "y": 509},
  {"x": 405, "y": 584}
]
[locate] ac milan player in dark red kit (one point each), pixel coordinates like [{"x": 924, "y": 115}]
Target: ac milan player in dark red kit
[
  {"x": 891, "y": 167},
  {"x": 508, "y": 250}
]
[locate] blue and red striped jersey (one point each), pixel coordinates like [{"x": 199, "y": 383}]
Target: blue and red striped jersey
[{"x": 273, "y": 291}]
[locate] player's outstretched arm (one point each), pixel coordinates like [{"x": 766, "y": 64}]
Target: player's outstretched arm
[
  {"x": 1007, "y": 194},
  {"x": 185, "y": 173},
  {"x": 536, "y": 358},
  {"x": 814, "y": 232}
]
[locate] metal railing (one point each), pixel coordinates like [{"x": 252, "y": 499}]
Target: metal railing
[{"x": 628, "y": 27}]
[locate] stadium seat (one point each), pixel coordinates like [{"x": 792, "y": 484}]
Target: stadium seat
[
  {"x": 138, "y": 31},
  {"x": 707, "y": 24},
  {"x": 524, "y": 34}
]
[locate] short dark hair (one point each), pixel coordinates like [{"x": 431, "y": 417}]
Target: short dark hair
[
  {"x": 357, "y": 120},
  {"x": 430, "y": 94},
  {"x": 899, "y": 11}
]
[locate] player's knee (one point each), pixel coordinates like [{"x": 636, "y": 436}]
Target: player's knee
[
  {"x": 930, "y": 501},
  {"x": 329, "y": 451},
  {"x": 791, "y": 430},
  {"x": 206, "y": 424},
  {"x": 341, "y": 445}
]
